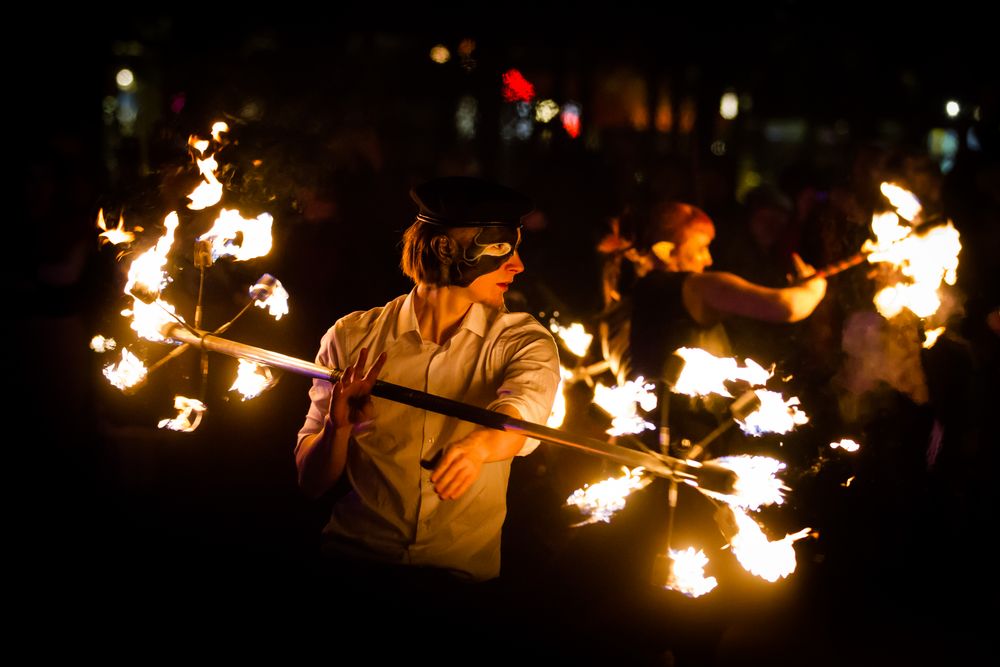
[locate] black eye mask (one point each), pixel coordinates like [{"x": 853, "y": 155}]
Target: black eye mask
[{"x": 488, "y": 250}]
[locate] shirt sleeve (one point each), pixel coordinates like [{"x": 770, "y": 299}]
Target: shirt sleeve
[
  {"x": 530, "y": 377},
  {"x": 319, "y": 393}
]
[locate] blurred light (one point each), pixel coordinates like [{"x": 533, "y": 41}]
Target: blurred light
[
  {"x": 546, "y": 110},
  {"x": 124, "y": 78},
  {"x": 571, "y": 119},
  {"x": 976, "y": 113},
  {"x": 785, "y": 131},
  {"x": 729, "y": 106},
  {"x": 972, "y": 140},
  {"x": 177, "y": 102},
  {"x": 251, "y": 110},
  {"x": 664, "y": 120},
  {"x": 746, "y": 102},
  {"x": 688, "y": 114},
  {"x": 718, "y": 148},
  {"x": 523, "y": 128},
  {"x": 841, "y": 127},
  {"x": 465, "y": 117},
  {"x": 109, "y": 104},
  {"x": 466, "y": 47},
  {"x": 951, "y": 108},
  {"x": 942, "y": 144},
  {"x": 440, "y": 54},
  {"x": 516, "y": 87}
]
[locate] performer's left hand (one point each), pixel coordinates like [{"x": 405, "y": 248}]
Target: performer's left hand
[{"x": 459, "y": 467}]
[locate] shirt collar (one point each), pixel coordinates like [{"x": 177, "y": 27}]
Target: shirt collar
[{"x": 474, "y": 320}]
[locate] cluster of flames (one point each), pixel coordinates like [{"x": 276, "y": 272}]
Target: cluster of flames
[
  {"x": 231, "y": 236},
  {"x": 925, "y": 258}
]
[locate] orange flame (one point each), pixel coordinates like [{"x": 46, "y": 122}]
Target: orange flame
[
  {"x": 845, "y": 444},
  {"x": 687, "y": 573},
  {"x": 558, "y": 413},
  {"x": 101, "y": 344},
  {"x": 756, "y": 484},
  {"x": 230, "y": 226},
  {"x": 116, "y": 235},
  {"x": 600, "y": 501},
  {"x": 775, "y": 414},
  {"x": 128, "y": 372},
  {"x": 186, "y": 407},
  {"x": 622, "y": 402},
  {"x": 574, "y": 337},
  {"x": 759, "y": 556},
  {"x": 252, "y": 379},
  {"x": 276, "y": 303},
  {"x": 704, "y": 373}
]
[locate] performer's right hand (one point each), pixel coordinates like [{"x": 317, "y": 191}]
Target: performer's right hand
[{"x": 351, "y": 403}]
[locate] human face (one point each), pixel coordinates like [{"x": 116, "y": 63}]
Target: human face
[
  {"x": 693, "y": 254},
  {"x": 489, "y": 289},
  {"x": 482, "y": 250}
]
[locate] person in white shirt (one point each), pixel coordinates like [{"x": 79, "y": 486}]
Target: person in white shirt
[{"x": 425, "y": 489}]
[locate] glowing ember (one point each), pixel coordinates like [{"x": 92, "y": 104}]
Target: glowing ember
[
  {"x": 931, "y": 336},
  {"x": 758, "y": 556},
  {"x": 558, "y": 414},
  {"x": 775, "y": 414},
  {"x": 116, "y": 235},
  {"x": 186, "y": 407},
  {"x": 601, "y": 500},
  {"x": 756, "y": 483},
  {"x": 621, "y": 403},
  {"x": 252, "y": 379},
  {"x": 846, "y": 445},
  {"x": 101, "y": 344},
  {"x": 128, "y": 372},
  {"x": 905, "y": 203},
  {"x": 276, "y": 303},
  {"x": 704, "y": 373},
  {"x": 209, "y": 192},
  {"x": 574, "y": 337},
  {"x": 687, "y": 573},
  {"x": 230, "y": 226}
]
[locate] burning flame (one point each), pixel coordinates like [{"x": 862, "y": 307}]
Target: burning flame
[
  {"x": 185, "y": 408},
  {"x": 276, "y": 303},
  {"x": 846, "y": 445},
  {"x": 620, "y": 402},
  {"x": 230, "y": 226},
  {"x": 200, "y": 145},
  {"x": 687, "y": 573},
  {"x": 925, "y": 259},
  {"x": 600, "y": 501},
  {"x": 756, "y": 483},
  {"x": 704, "y": 373},
  {"x": 904, "y": 201},
  {"x": 101, "y": 344},
  {"x": 209, "y": 192},
  {"x": 574, "y": 337},
  {"x": 252, "y": 379},
  {"x": 558, "y": 414},
  {"x": 116, "y": 235},
  {"x": 931, "y": 336},
  {"x": 146, "y": 278},
  {"x": 128, "y": 372},
  {"x": 217, "y": 129},
  {"x": 775, "y": 414},
  {"x": 759, "y": 556}
]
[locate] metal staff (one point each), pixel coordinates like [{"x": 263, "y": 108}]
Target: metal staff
[{"x": 706, "y": 475}]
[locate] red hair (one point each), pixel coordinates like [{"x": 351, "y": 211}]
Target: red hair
[{"x": 673, "y": 220}]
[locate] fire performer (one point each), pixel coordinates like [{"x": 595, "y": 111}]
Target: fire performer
[{"x": 427, "y": 490}]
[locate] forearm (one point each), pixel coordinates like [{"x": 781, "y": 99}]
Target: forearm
[
  {"x": 320, "y": 459},
  {"x": 495, "y": 445}
]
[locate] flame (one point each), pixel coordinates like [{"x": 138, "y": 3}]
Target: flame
[
  {"x": 775, "y": 414},
  {"x": 756, "y": 483},
  {"x": 848, "y": 481},
  {"x": 209, "y": 192},
  {"x": 600, "y": 501},
  {"x": 128, "y": 372},
  {"x": 229, "y": 226},
  {"x": 116, "y": 235},
  {"x": 620, "y": 402},
  {"x": 687, "y": 573},
  {"x": 252, "y": 379},
  {"x": 704, "y": 373},
  {"x": 846, "y": 445},
  {"x": 218, "y": 128},
  {"x": 925, "y": 259},
  {"x": 200, "y": 145},
  {"x": 147, "y": 276},
  {"x": 101, "y": 344},
  {"x": 931, "y": 336},
  {"x": 759, "y": 556},
  {"x": 558, "y": 414},
  {"x": 574, "y": 337},
  {"x": 185, "y": 407},
  {"x": 904, "y": 201},
  {"x": 276, "y": 303}
]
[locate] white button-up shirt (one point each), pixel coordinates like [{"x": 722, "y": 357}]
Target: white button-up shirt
[{"x": 392, "y": 513}]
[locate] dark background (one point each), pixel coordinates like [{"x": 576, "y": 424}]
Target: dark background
[{"x": 345, "y": 115}]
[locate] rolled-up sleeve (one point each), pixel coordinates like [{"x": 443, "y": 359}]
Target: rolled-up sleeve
[
  {"x": 319, "y": 393},
  {"x": 530, "y": 377}
]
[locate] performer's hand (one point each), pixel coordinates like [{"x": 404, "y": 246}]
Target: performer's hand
[
  {"x": 351, "y": 402},
  {"x": 459, "y": 467},
  {"x": 806, "y": 274}
]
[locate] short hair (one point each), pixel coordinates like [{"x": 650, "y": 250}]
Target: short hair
[
  {"x": 419, "y": 261},
  {"x": 673, "y": 220}
]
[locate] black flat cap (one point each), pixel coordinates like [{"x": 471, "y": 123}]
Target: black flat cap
[{"x": 462, "y": 201}]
